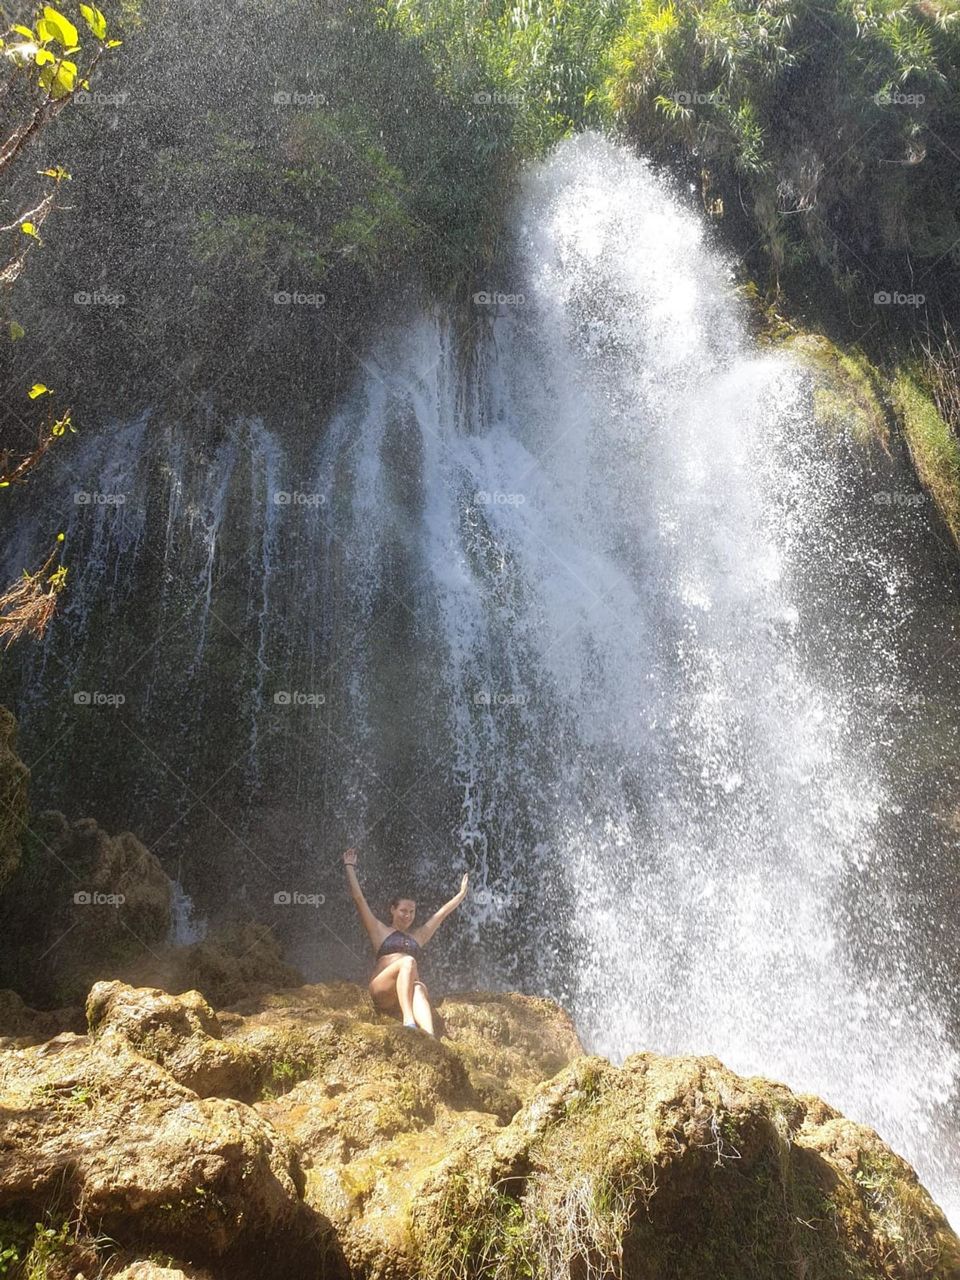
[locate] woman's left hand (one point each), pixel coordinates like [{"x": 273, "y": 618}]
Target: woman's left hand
[{"x": 463, "y": 887}]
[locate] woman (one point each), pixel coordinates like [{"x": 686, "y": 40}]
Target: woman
[{"x": 396, "y": 982}]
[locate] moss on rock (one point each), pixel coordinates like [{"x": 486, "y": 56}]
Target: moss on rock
[
  {"x": 847, "y": 393},
  {"x": 933, "y": 446},
  {"x": 676, "y": 1167}
]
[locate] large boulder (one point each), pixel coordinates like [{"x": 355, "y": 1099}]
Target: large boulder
[
  {"x": 677, "y": 1167},
  {"x": 94, "y": 1130},
  {"x": 180, "y": 1033}
]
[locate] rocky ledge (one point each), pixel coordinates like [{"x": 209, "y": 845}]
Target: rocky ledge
[{"x": 301, "y": 1134}]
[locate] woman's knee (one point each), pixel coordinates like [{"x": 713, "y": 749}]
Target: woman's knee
[{"x": 408, "y": 964}]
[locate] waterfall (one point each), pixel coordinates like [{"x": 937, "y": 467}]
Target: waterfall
[
  {"x": 673, "y": 785},
  {"x": 575, "y": 595}
]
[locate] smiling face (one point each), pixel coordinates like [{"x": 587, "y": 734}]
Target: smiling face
[{"x": 402, "y": 912}]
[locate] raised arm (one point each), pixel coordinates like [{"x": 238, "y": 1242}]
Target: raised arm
[
  {"x": 430, "y": 927},
  {"x": 375, "y": 928}
]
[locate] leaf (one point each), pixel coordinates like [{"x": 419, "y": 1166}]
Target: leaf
[
  {"x": 60, "y": 426},
  {"x": 57, "y": 172},
  {"x": 61, "y": 79},
  {"x": 37, "y": 390},
  {"x": 94, "y": 20},
  {"x": 42, "y": 57},
  {"x": 114, "y": 44},
  {"x": 24, "y": 31},
  {"x": 29, "y": 229},
  {"x": 54, "y": 26},
  {"x": 16, "y": 330}
]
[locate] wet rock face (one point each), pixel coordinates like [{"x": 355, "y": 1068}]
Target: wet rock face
[
  {"x": 14, "y": 780},
  {"x": 85, "y": 901},
  {"x": 301, "y": 1133}
]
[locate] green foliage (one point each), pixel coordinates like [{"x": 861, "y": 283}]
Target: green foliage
[
  {"x": 820, "y": 127},
  {"x": 33, "y": 1252}
]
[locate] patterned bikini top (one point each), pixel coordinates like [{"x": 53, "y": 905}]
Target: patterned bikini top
[{"x": 399, "y": 942}]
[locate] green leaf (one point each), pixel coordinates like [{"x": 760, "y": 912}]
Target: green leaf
[
  {"x": 94, "y": 20},
  {"x": 61, "y": 79},
  {"x": 54, "y": 26},
  {"x": 37, "y": 390},
  {"x": 16, "y": 330}
]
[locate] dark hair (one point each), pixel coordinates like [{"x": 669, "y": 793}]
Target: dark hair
[{"x": 402, "y": 897}]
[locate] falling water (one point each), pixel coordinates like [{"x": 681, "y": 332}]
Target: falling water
[
  {"x": 607, "y": 529},
  {"x": 577, "y": 596}
]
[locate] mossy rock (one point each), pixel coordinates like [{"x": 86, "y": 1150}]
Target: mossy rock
[
  {"x": 332, "y": 1141},
  {"x": 847, "y": 391},
  {"x": 933, "y": 447},
  {"x": 677, "y": 1168}
]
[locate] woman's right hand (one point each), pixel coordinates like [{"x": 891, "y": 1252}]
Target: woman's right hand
[{"x": 350, "y": 857}]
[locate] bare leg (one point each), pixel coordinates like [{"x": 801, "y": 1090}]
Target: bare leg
[
  {"x": 421, "y": 1007},
  {"x": 394, "y": 985}
]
